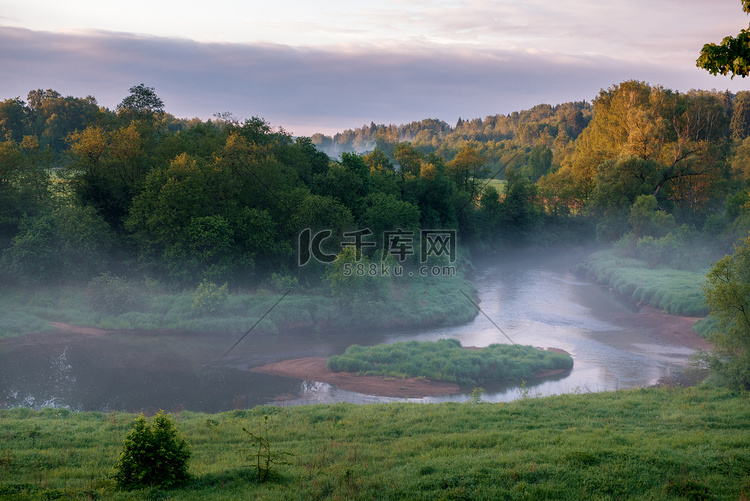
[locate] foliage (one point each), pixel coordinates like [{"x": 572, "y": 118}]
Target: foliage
[
  {"x": 141, "y": 101},
  {"x": 108, "y": 167},
  {"x": 646, "y": 220},
  {"x": 113, "y": 295},
  {"x": 657, "y": 251},
  {"x": 24, "y": 184},
  {"x": 209, "y": 298},
  {"x": 153, "y": 455},
  {"x": 354, "y": 279},
  {"x": 731, "y": 56},
  {"x": 282, "y": 282},
  {"x": 227, "y": 200},
  {"x": 447, "y": 360},
  {"x": 727, "y": 291},
  {"x": 70, "y": 243},
  {"x": 646, "y": 140}
]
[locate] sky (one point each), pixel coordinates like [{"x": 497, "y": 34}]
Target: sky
[{"x": 331, "y": 65}]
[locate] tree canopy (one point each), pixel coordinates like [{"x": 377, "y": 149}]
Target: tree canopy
[{"x": 732, "y": 55}]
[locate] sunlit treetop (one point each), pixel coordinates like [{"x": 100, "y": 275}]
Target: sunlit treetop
[{"x": 732, "y": 55}]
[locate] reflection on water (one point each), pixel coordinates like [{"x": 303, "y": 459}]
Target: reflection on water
[{"x": 536, "y": 300}]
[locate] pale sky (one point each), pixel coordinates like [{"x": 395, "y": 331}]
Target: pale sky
[{"x": 329, "y": 65}]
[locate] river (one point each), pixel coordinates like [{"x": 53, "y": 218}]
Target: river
[{"x": 533, "y": 298}]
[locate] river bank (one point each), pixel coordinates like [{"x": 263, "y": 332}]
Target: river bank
[
  {"x": 415, "y": 302},
  {"x": 677, "y": 292},
  {"x": 535, "y": 299}
]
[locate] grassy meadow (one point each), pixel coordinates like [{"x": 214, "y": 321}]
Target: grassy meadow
[
  {"x": 677, "y": 292},
  {"x": 446, "y": 359},
  {"x": 655, "y": 443},
  {"x": 416, "y": 302}
]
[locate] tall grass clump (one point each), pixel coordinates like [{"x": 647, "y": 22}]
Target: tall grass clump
[
  {"x": 677, "y": 292},
  {"x": 447, "y": 360}
]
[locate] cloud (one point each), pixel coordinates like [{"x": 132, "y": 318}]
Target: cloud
[{"x": 308, "y": 90}]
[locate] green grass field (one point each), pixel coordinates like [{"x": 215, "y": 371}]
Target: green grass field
[
  {"x": 663, "y": 443},
  {"x": 447, "y": 360}
]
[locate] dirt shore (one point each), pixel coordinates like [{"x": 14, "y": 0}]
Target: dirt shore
[
  {"x": 669, "y": 329},
  {"x": 64, "y": 333},
  {"x": 315, "y": 369}
]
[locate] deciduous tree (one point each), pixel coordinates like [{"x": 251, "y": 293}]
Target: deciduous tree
[
  {"x": 732, "y": 55},
  {"x": 727, "y": 292}
]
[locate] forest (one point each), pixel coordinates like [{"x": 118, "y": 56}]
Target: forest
[{"x": 137, "y": 192}]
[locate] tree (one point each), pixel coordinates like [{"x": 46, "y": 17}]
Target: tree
[
  {"x": 108, "y": 169},
  {"x": 14, "y": 120},
  {"x": 384, "y": 212},
  {"x": 731, "y": 56},
  {"x": 727, "y": 292},
  {"x": 540, "y": 162},
  {"x": 519, "y": 214},
  {"x": 647, "y": 220},
  {"x": 740, "y": 125},
  {"x": 24, "y": 184},
  {"x": 191, "y": 219},
  {"x": 70, "y": 243},
  {"x": 651, "y": 140},
  {"x": 467, "y": 168},
  {"x": 142, "y": 102},
  {"x": 352, "y": 282},
  {"x": 53, "y": 118}
]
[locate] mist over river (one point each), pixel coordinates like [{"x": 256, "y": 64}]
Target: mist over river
[{"x": 535, "y": 298}]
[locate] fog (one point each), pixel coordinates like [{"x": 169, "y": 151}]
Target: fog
[{"x": 535, "y": 298}]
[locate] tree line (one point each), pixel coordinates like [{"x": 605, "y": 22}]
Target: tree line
[{"x": 135, "y": 190}]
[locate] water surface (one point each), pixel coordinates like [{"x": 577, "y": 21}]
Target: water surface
[{"x": 534, "y": 298}]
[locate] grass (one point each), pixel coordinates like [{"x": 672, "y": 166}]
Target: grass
[
  {"x": 414, "y": 302},
  {"x": 447, "y": 360},
  {"x": 498, "y": 184},
  {"x": 656, "y": 443},
  {"x": 677, "y": 292}
]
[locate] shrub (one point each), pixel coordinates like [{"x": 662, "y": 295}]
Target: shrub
[
  {"x": 209, "y": 298},
  {"x": 153, "y": 455},
  {"x": 113, "y": 295},
  {"x": 281, "y": 283},
  {"x": 70, "y": 243}
]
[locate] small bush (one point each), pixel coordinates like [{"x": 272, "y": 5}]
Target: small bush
[
  {"x": 209, "y": 298},
  {"x": 113, "y": 295},
  {"x": 154, "y": 455},
  {"x": 281, "y": 282}
]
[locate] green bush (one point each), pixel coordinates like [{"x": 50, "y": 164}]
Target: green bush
[
  {"x": 68, "y": 244},
  {"x": 153, "y": 455},
  {"x": 281, "y": 283},
  {"x": 209, "y": 298},
  {"x": 113, "y": 295}
]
